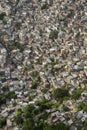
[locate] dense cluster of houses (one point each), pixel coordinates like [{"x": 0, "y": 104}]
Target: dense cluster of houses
[{"x": 61, "y": 62}]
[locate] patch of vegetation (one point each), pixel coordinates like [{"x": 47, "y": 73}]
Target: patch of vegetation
[
  {"x": 26, "y": 68},
  {"x": 31, "y": 97},
  {"x": 16, "y": 45},
  {"x": 43, "y": 104},
  {"x": 5, "y": 96},
  {"x": 65, "y": 108},
  {"x": 3, "y": 79},
  {"x": 31, "y": 118},
  {"x": 53, "y": 34},
  {"x": 71, "y": 13},
  {"x": 28, "y": 124},
  {"x": 17, "y": 25},
  {"x": 18, "y": 117},
  {"x": 2, "y": 15},
  {"x": 36, "y": 80},
  {"x": 34, "y": 84},
  {"x": 2, "y": 74},
  {"x": 2, "y": 122},
  {"x": 44, "y": 90},
  {"x": 57, "y": 104},
  {"x": 82, "y": 106},
  {"x": 44, "y": 6},
  {"x": 60, "y": 93},
  {"x": 77, "y": 94},
  {"x": 61, "y": 126},
  {"x": 35, "y": 74}
]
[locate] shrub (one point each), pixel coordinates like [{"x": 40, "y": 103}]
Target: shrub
[
  {"x": 44, "y": 90},
  {"x": 28, "y": 111},
  {"x": 16, "y": 45},
  {"x": 77, "y": 94},
  {"x": 2, "y": 122},
  {"x": 60, "y": 93},
  {"x": 44, "y": 6},
  {"x": 61, "y": 126},
  {"x": 8, "y": 95},
  {"x": 31, "y": 97},
  {"x": 18, "y": 117},
  {"x": 28, "y": 125},
  {"x": 35, "y": 75},
  {"x": 34, "y": 84},
  {"x": 2, "y": 15},
  {"x": 82, "y": 106},
  {"x": 36, "y": 81},
  {"x": 65, "y": 108},
  {"x": 53, "y": 34}
]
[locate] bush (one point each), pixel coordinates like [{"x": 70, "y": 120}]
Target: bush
[
  {"x": 44, "y": 6},
  {"x": 57, "y": 104},
  {"x": 36, "y": 81},
  {"x": 5, "y": 96},
  {"x": 18, "y": 117},
  {"x": 85, "y": 108},
  {"x": 16, "y": 45},
  {"x": 2, "y": 15},
  {"x": 60, "y": 93},
  {"x": 28, "y": 111},
  {"x": 34, "y": 84},
  {"x": 65, "y": 108},
  {"x": 77, "y": 94},
  {"x": 3, "y": 80},
  {"x": 31, "y": 97},
  {"x": 2, "y": 122},
  {"x": 82, "y": 106},
  {"x": 43, "y": 116},
  {"x": 32, "y": 118},
  {"x": 36, "y": 75},
  {"x": 44, "y": 90},
  {"x": 28, "y": 125},
  {"x": 17, "y": 25},
  {"x": 61, "y": 126},
  {"x": 11, "y": 95},
  {"x": 47, "y": 127},
  {"x": 53, "y": 34}
]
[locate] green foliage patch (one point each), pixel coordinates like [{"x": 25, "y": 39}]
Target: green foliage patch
[
  {"x": 53, "y": 34},
  {"x": 60, "y": 93}
]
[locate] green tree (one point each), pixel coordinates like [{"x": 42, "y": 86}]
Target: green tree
[
  {"x": 65, "y": 108},
  {"x": 77, "y": 94},
  {"x": 82, "y": 106},
  {"x": 60, "y": 93},
  {"x": 2, "y": 122},
  {"x": 28, "y": 124},
  {"x": 28, "y": 111},
  {"x": 47, "y": 127},
  {"x": 16, "y": 45},
  {"x": 44, "y": 6},
  {"x": 18, "y": 117},
  {"x": 2, "y": 15},
  {"x": 8, "y": 95},
  {"x": 36, "y": 81},
  {"x": 61, "y": 126},
  {"x": 53, "y": 34}
]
